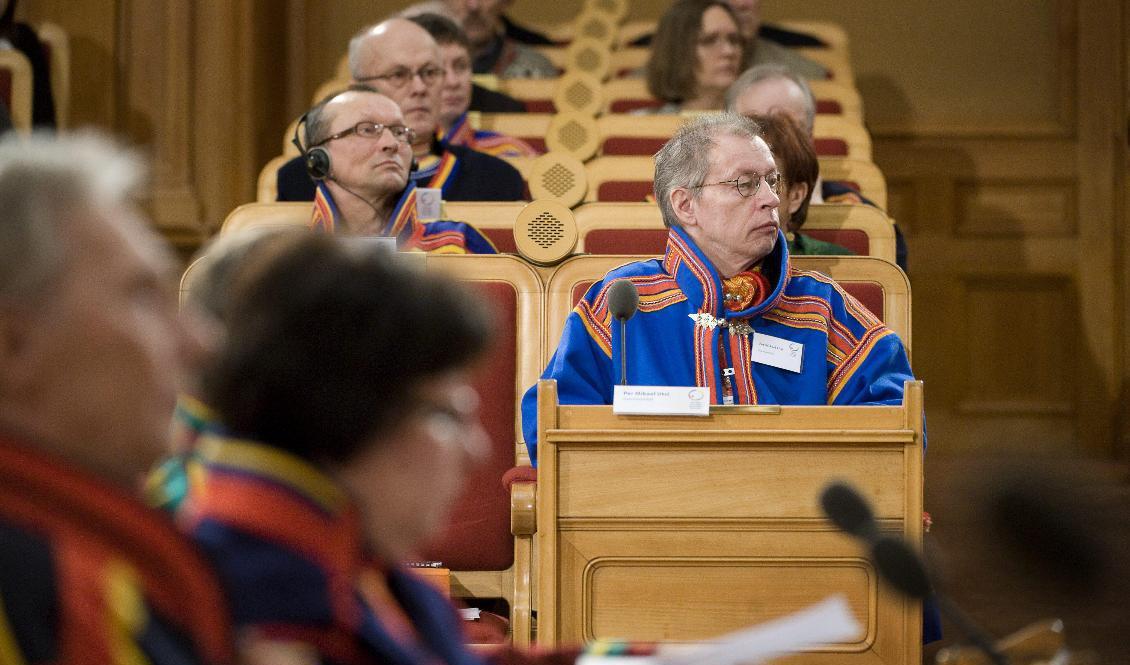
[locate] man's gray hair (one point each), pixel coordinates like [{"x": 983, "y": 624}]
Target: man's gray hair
[
  {"x": 685, "y": 159},
  {"x": 768, "y": 72},
  {"x": 46, "y": 182}
]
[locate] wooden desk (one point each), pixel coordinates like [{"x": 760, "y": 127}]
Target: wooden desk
[{"x": 677, "y": 529}]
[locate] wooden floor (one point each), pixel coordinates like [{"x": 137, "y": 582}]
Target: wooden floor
[{"x": 1003, "y": 588}]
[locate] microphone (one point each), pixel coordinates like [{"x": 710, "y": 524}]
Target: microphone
[
  {"x": 897, "y": 563},
  {"x": 623, "y": 300},
  {"x": 849, "y": 511}
]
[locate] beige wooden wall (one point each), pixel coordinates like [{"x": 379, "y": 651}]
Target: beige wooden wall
[{"x": 1001, "y": 128}]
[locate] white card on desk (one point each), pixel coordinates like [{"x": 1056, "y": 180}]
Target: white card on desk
[
  {"x": 661, "y": 401},
  {"x": 429, "y": 203},
  {"x": 777, "y": 352}
]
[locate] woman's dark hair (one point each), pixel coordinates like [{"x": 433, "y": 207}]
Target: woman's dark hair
[
  {"x": 670, "y": 70},
  {"x": 796, "y": 158},
  {"x": 327, "y": 339}
]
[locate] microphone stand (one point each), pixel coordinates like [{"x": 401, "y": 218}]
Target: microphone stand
[{"x": 623, "y": 352}]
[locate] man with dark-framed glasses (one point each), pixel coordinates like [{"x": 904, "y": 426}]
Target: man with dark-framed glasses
[
  {"x": 402, "y": 61},
  {"x": 723, "y": 308}
]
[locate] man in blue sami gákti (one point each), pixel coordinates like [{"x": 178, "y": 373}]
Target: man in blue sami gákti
[{"x": 723, "y": 307}]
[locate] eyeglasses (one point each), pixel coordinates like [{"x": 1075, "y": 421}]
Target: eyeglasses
[
  {"x": 372, "y": 130},
  {"x": 718, "y": 38},
  {"x": 748, "y": 186},
  {"x": 398, "y": 78}
]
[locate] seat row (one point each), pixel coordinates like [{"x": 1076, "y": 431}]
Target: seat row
[{"x": 489, "y": 542}]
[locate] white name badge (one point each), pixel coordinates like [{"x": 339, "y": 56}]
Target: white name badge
[
  {"x": 776, "y": 352},
  {"x": 661, "y": 401},
  {"x": 429, "y": 203}
]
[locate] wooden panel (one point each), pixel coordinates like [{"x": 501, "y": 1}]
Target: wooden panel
[
  {"x": 1001, "y": 68},
  {"x": 1019, "y": 208},
  {"x": 767, "y": 483},
  {"x": 1022, "y": 350},
  {"x": 716, "y": 594}
]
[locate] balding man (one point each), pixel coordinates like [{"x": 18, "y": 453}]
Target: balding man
[
  {"x": 401, "y": 61},
  {"x": 91, "y": 351},
  {"x": 766, "y": 89},
  {"x": 724, "y": 308},
  {"x": 364, "y": 189}
]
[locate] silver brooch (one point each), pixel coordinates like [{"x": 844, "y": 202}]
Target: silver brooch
[{"x": 708, "y": 321}]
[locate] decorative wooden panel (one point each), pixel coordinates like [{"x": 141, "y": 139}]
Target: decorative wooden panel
[{"x": 1016, "y": 209}]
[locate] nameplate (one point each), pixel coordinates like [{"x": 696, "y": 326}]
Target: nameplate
[
  {"x": 776, "y": 352},
  {"x": 429, "y": 203},
  {"x": 661, "y": 401}
]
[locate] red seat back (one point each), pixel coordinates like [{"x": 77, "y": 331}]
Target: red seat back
[
  {"x": 478, "y": 536},
  {"x": 628, "y": 191}
]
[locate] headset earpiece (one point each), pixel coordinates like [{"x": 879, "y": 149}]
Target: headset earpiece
[
  {"x": 414, "y": 166},
  {"x": 318, "y": 163}
]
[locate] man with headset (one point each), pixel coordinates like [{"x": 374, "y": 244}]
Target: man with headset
[
  {"x": 400, "y": 60},
  {"x": 359, "y": 150}
]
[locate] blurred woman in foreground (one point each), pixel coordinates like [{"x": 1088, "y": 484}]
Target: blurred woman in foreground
[{"x": 345, "y": 426}]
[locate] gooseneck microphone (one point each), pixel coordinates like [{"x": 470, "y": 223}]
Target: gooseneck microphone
[
  {"x": 896, "y": 562},
  {"x": 849, "y": 511},
  {"x": 623, "y": 301}
]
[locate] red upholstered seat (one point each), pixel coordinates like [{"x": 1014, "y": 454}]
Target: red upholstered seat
[
  {"x": 539, "y": 106},
  {"x": 536, "y": 142},
  {"x": 629, "y": 105},
  {"x": 503, "y": 239},
  {"x": 854, "y": 239},
  {"x": 830, "y": 147},
  {"x": 626, "y": 241},
  {"x": 868, "y": 293},
  {"x": 632, "y": 145},
  {"x": 628, "y": 191},
  {"x": 478, "y": 537},
  {"x": 829, "y": 106}
]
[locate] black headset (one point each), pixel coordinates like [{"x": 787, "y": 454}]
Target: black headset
[{"x": 317, "y": 160}]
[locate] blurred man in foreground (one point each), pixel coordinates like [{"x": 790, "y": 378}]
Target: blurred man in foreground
[{"x": 91, "y": 352}]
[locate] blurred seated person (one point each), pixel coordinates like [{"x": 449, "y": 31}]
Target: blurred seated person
[
  {"x": 327, "y": 472},
  {"x": 401, "y": 61},
  {"x": 796, "y": 161},
  {"x": 748, "y": 13},
  {"x": 359, "y": 150},
  {"x": 456, "y": 93},
  {"x": 709, "y": 30},
  {"x": 482, "y": 99},
  {"x": 725, "y": 276},
  {"x": 207, "y": 290},
  {"x": 494, "y": 52},
  {"x": 766, "y": 89},
  {"x": 768, "y": 45},
  {"x": 92, "y": 357}
]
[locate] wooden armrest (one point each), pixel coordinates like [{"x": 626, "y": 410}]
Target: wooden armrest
[{"x": 523, "y": 520}]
